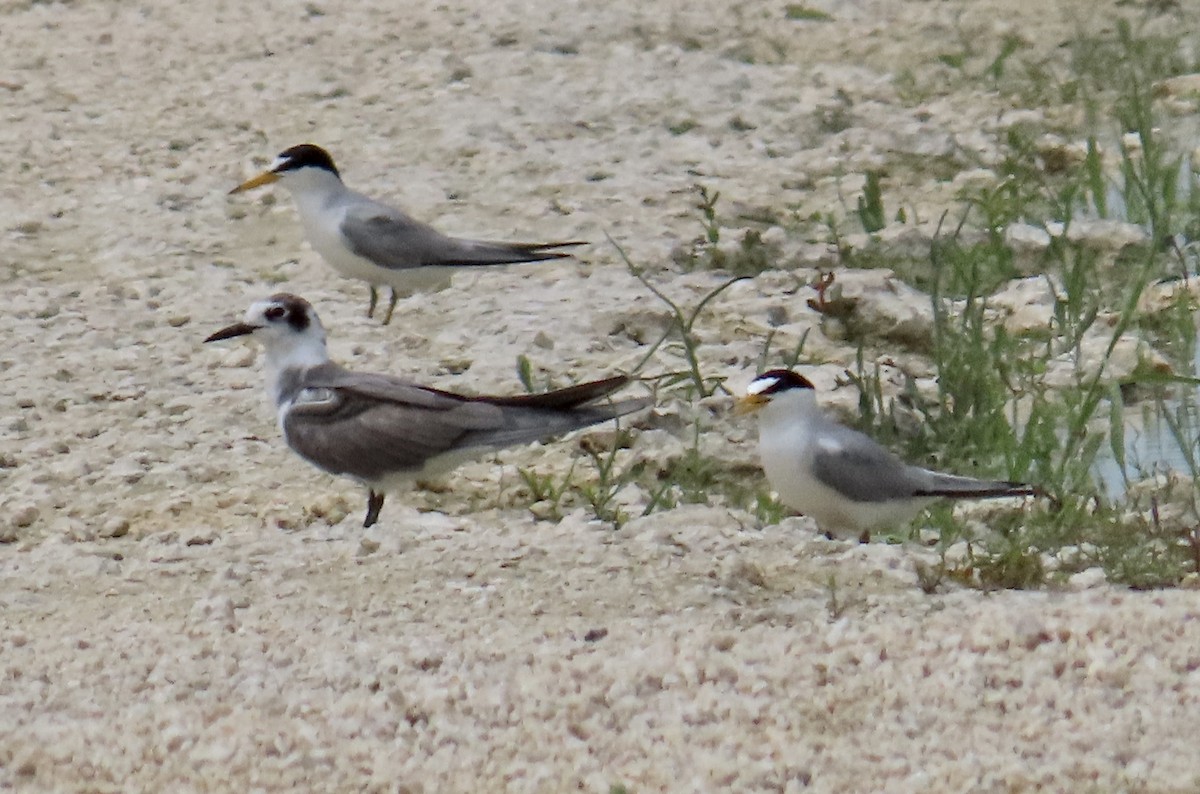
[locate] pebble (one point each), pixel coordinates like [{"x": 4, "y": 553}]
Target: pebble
[
  {"x": 24, "y": 516},
  {"x": 1087, "y": 579},
  {"x": 115, "y": 527}
]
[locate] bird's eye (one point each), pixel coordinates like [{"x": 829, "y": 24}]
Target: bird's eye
[{"x": 275, "y": 312}]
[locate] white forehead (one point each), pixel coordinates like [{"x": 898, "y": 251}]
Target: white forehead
[
  {"x": 258, "y": 309},
  {"x": 760, "y": 385},
  {"x": 279, "y": 162}
]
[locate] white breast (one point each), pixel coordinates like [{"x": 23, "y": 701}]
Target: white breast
[
  {"x": 788, "y": 448},
  {"x": 322, "y": 223}
]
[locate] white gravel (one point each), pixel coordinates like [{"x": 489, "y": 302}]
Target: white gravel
[{"x": 185, "y": 606}]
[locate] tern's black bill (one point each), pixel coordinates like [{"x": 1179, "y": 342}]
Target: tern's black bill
[{"x": 237, "y": 329}]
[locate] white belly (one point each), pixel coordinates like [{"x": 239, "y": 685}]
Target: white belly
[
  {"x": 322, "y": 229},
  {"x": 787, "y": 462}
]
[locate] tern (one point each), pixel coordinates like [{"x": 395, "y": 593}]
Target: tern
[
  {"x": 366, "y": 240},
  {"x": 839, "y": 477},
  {"x": 383, "y": 431}
]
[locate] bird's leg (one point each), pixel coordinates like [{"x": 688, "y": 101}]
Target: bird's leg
[
  {"x": 391, "y": 306},
  {"x": 374, "y": 300},
  {"x": 822, "y": 304},
  {"x": 374, "y": 505}
]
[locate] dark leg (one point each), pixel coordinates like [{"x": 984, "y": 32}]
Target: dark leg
[
  {"x": 374, "y": 300},
  {"x": 391, "y": 306},
  {"x": 374, "y": 505}
]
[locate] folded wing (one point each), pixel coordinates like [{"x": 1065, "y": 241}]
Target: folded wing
[
  {"x": 391, "y": 239},
  {"x": 369, "y": 426}
]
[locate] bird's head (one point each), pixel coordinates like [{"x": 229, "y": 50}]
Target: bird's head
[
  {"x": 293, "y": 167},
  {"x": 288, "y": 327},
  {"x": 779, "y": 387}
]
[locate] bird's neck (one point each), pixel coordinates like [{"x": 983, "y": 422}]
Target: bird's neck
[
  {"x": 313, "y": 188},
  {"x": 790, "y": 414},
  {"x": 297, "y": 357}
]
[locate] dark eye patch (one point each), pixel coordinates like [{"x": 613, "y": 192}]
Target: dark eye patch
[{"x": 295, "y": 308}]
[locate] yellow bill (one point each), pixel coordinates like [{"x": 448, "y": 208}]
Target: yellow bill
[
  {"x": 750, "y": 403},
  {"x": 265, "y": 178}
]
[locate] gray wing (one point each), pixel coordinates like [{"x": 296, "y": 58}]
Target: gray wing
[
  {"x": 860, "y": 469},
  {"x": 391, "y": 239},
  {"x": 367, "y": 426},
  {"x": 344, "y": 432}
]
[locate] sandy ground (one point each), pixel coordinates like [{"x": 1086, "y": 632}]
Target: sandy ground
[{"x": 186, "y": 606}]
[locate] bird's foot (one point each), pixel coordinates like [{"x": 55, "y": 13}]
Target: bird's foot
[
  {"x": 391, "y": 306},
  {"x": 374, "y": 505}
]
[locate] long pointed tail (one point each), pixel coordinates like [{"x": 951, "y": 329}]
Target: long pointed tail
[
  {"x": 480, "y": 253},
  {"x": 954, "y": 487},
  {"x": 534, "y": 417},
  {"x": 561, "y": 399}
]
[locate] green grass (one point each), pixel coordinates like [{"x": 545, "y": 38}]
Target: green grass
[
  {"x": 1040, "y": 405},
  {"x": 750, "y": 257},
  {"x": 803, "y": 13},
  {"x": 995, "y": 413}
]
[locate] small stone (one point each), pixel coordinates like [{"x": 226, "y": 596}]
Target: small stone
[
  {"x": 367, "y": 546},
  {"x": 544, "y": 510},
  {"x": 724, "y": 642},
  {"x": 1088, "y": 579},
  {"x": 24, "y": 516},
  {"x": 178, "y": 320},
  {"x": 116, "y": 527},
  {"x": 1187, "y": 85},
  {"x": 331, "y": 509},
  {"x": 543, "y": 341},
  {"x": 454, "y": 366},
  {"x": 241, "y": 358}
]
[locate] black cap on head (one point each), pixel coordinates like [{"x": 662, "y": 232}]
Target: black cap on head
[
  {"x": 306, "y": 155},
  {"x": 776, "y": 381}
]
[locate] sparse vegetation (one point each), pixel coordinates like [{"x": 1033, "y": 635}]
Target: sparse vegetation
[
  {"x": 994, "y": 407},
  {"x": 996, "y": 410},
  {"x": 801, "y": 12}
]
